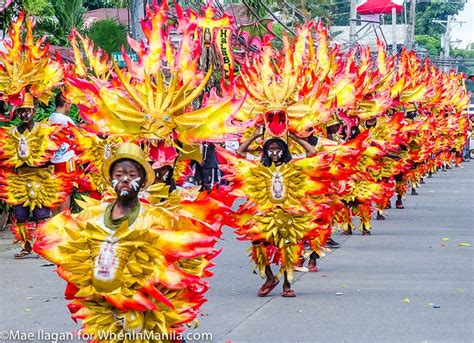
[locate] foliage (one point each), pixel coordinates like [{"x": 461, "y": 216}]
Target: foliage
[
  {"x": 38, "y": 8},
  {"x": 9, "y": 14},
  {"x": 278, "y": 29},
  {"x": 462, "y": 53},
  {"x": 427, "y": 11},
  {"x": 67, "y": 15},
  {"x": 465, "y": 54},
  {"x": 258, "y": 8},
  {"x": 331, "y": 12},
  {"x": 430, "y": 43},
  {"x": 108, "y": 34},
  {"x": 428, "y": 34}
]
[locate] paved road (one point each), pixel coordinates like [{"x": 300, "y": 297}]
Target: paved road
[{"x": 388, "y": 284}]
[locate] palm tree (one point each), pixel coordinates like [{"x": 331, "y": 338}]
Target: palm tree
[{"x": 67, "y": 15}]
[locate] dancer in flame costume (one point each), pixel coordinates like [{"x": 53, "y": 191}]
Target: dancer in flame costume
[
  {"x": 131, "y": 267},
  {"x": 28, "y": 180},
  {"x": 285, "y": 205}
]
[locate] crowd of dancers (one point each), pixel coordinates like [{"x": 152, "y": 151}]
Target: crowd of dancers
[{"x": 300, "y": 141}]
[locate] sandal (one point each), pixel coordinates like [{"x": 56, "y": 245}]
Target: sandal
[
  {"x": 313, "y": 269},
  {"x": 24, "y": 254},
  {"x": 288, "y": 293},
  {"x": 300, "y": 269},
  {"x": 265, "y": 290}
]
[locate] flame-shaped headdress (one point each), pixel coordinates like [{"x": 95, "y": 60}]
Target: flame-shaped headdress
[
  {"x": 150, "y": 98},
  {"x": 283, "y": 92},
  {"x": 26, "y": 66}
]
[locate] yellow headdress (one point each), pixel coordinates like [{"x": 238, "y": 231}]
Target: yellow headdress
[
  {"x": 27, "y": 101},
  {"x": 132, "y": 152}
]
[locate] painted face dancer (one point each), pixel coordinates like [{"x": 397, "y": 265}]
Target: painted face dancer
[
  {"x": 279, "y": 247},
  {"x": 128, "y": 268},
  {"x": 27, "y": 177},
  {"x": 23, "y": 231}
]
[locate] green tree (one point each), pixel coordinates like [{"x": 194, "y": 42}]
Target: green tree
[
  {"x": 331, "y": 12},
  {"x": 462, "y": 53},
  {"x": 38, "y": 8},
  {"x": 427, "y": 11},
  {"x": 108, "y": 34},
  {"x": 430, "y": 43},
  {"x": 466, "y": 64},
  {"x": 258, "y": 7},
  {"x": 67, "y": 15},
  {"x": 32, "y": 7},
  {"x": 428, "y": 34}
]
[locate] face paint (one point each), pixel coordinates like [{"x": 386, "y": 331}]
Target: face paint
[
  {"x": 274, "y": 153},
  {"x": 115, "y": 183},
  {"x": 135, "y": 184},
  {"x": 123, "y": 193}
]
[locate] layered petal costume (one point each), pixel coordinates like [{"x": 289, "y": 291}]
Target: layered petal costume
[
  {"x": 27, "y": 71},
  {"x": 143, "y": 276}
]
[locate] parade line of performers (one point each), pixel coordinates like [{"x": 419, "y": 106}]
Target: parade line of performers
[{"x": 307, "y": 137}]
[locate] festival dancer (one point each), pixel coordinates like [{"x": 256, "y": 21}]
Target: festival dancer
[
  {"x": 146, "y": 257},
  {"x": 268, "y": 242},
  {"x": 282, "y": 215},
  {"x": 27, "y": 181},
  {"x": 128, "y": 267}
]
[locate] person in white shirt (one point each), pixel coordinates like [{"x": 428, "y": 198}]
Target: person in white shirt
[
  {"x": 59, "y": 116},
  {"x": 63, "y": 158}
]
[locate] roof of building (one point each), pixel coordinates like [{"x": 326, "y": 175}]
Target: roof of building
[{"x": 119, "y": 14}]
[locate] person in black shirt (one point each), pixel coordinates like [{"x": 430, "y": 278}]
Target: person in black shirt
[{"x": 207, "y": 173}]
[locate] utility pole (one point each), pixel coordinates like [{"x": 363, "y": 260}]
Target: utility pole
[
  {"x": 137, "y": 11},
  {"x": 410, "y": 41},
  {"x": 352, "y": 22},
  {"x": 394, "y": 31},
  {"x": 446, "y": 37}
]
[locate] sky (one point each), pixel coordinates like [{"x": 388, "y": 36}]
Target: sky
[{"x": 466, "y": 31}]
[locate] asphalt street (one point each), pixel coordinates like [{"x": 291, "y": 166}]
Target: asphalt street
[{"x": 411, "y": 281}]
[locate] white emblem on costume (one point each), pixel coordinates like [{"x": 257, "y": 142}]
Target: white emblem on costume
[
  {"x": 23, "y": 148},
  {"x": 106, "y": 262}
]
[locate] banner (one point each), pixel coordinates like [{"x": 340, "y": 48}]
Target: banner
[{"x": 225, "y": 51}]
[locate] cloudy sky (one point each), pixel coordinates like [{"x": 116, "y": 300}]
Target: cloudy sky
[{"x": 466, "y": 31}]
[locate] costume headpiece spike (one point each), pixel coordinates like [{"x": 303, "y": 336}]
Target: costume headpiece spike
[
  {"x": 26, "y": 65},
  {"x": 150, "y": 98}
]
